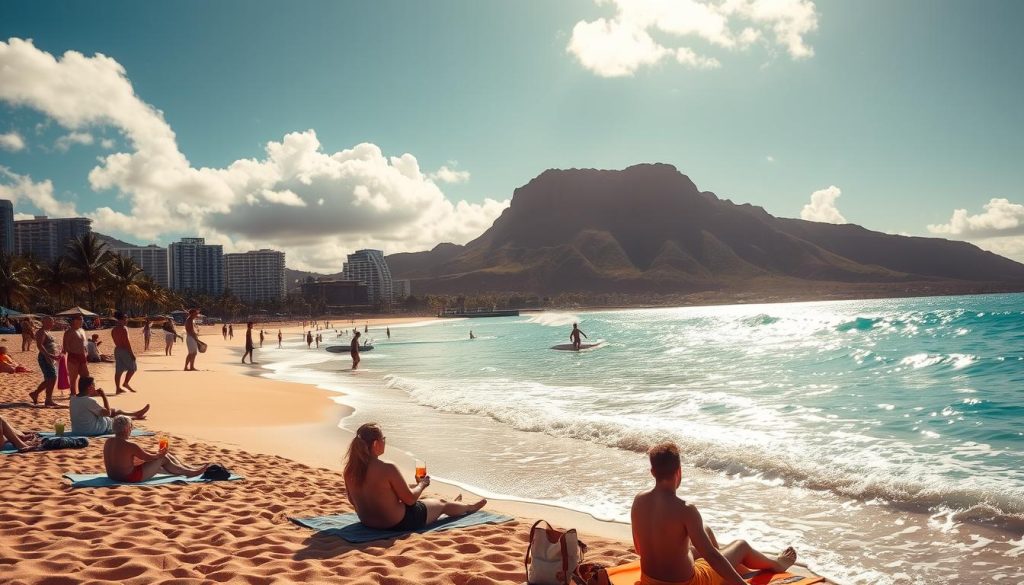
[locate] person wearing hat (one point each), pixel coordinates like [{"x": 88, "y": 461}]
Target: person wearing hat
[{"x": 124, "y": 355}]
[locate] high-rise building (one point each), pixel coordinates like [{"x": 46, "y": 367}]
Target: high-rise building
[
  {"x": 369, "y": 266},
  {"x": 335, "y": 293},
  {"x": 197, "y": 266},
  {"x": 6, "y": 226},
  {"x": 46, "y": 239},
  {"x": 401, "y": 289},
  {"x": 256, "y": 276},
  {"x": 152, "y": 259}
]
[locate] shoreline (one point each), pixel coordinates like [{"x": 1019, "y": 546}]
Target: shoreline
[{"x": 256, "y": 423}]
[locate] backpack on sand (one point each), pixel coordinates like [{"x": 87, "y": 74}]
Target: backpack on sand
[{"x": 552, "y": 555}]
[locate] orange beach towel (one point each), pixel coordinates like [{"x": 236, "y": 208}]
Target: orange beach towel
[{"x": 629, "y": 574}]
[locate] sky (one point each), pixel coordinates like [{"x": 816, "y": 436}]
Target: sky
[{"x": 320, "y": 127}]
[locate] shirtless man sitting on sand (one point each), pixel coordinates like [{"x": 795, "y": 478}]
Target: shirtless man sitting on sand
[
  {"x": 379, "y": 494},
  {"x": 664, "y": 527},
  {"x": 128, "y": 462}
]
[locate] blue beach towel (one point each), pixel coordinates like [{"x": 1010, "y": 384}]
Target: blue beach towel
[
  {"x": 92, "y": 480},
  {"x": 349, "y": 527}
]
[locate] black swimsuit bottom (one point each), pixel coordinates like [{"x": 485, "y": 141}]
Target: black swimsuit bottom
[{"x": 415, "y": 518}]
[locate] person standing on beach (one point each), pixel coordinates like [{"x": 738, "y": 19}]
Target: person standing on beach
[
  {"x": 74, "y": 345},
  {"x": 381, "y": 497},
  {"x": 248, "y": 342},
  {"x": 664, "y": 527},
  {"x": 147, "y": 332},
  {"x": 575, "y": 337},
  {"x": 366, "y": 328},
  {"x": 28, "y": 334},
  {"x": 309, "y": 340},
  {"x": 231, "y": 331},
  {"x": 279, "y": 337},
  {"x": 355, "y": 350},
  {"x": 224, "y": 331},
  {"x": 124, "y": 355},
  {"x": 261, "y": 338},
  {"x": 389, "y": 333},
  {"x": 170, "y": 334},
  {"x": 48, "y": 356},
  {"x": 191, "y": 340}
]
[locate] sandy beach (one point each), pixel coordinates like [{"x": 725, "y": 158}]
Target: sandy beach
[{"x": 284, "y": 438}]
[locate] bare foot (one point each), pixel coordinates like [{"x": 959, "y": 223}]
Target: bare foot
[
  {"x": 34, "y": 396},
  {"x": 483, "y": 502},
  {"x": 786, "y": 559},
  {"x": 120, "y": 391},
  {"x": 130, "y": 389},
  {"x": 458, "y": 498},
  {"x": 142, "y": 413}
]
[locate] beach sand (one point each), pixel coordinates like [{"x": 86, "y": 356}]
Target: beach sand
[{"x": 284, "y": 438}]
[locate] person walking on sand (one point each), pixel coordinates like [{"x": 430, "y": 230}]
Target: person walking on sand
[
  {"x": 380, "y": 495},
  {"x": 191, "y": 340},
  {"x": 262, "y": 335},
  {"x": 120, "y": 455},
  {"x": 309, "y": 340},
  {"x": 147, "y": 332},
  {"x": 74, "y": 345},
  {"x": 575, "y": 337},
  {"x": 248, "y": 342},
  {"x": 28, "y": 334},
  {"x": 170, "y": 335},
  {"x": 124, "y": 355},
  {"x": 279, "y": 338},
  {"x": 664, "y": 527},
  {"x": 48, "y": 356},
  {"x": 355, "y": 350},
  {"x": 224, "y": 331}
]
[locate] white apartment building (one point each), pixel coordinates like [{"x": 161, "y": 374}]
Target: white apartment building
[{"x": 256, "y": 276}]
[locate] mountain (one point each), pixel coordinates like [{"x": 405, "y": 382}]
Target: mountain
[
  {"x": 113, "y": 242},
  {"x": 649, "y": 229}
]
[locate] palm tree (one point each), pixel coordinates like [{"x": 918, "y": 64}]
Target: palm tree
[
  {"x": 88, "y": 257},
  {"x": 17, "y": 282},
  {"x": 57, "y": 279},
  {"x": 124, "y": 279}
]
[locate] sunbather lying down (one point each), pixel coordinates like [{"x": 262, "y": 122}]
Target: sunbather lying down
[
  {"x": 22, "y": 441},
  {"x": 381, "y": 497},
  {"x": 128, "y": 462}
]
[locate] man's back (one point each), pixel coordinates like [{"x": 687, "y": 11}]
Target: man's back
[
  {"x": 118, "y": 459},
  {"x": 660, "y": 536}
]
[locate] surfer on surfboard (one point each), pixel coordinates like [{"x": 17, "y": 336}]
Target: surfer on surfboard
[{"x": 575, "y": 337}]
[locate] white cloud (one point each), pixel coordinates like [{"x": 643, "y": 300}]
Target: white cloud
[
  {"x": 65, "y": 142},
  {"x": 108, "y": 143},
  {"x": 12, "y": 141},
  {"x": 620, "y": 45},
  {"x": 1000, "y": 218},
  {"x": 769, "y": 158},
  {"x": 23, "y": 216},
  {"x": 445, "y": 174},
  {"x": 823, "y": 206},
  {"x": 362, "y": 197},
  {"x": 19, "y": 188},
  {"x": 998, "y": 228}
]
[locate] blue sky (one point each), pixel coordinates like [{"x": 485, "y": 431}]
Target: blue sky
[{"x": 910, "y": 109}]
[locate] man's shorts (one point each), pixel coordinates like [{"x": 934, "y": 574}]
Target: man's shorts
[
  {"x": 190, "y": 343},
  {"x": 48, "y": 367},
  {"x": 123, "y": 361}
]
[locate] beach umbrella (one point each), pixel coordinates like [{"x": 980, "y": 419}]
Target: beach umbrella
[{"x": 77, "y": 311}]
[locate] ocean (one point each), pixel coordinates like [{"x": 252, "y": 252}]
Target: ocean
[{"x": 884, "y": 439}]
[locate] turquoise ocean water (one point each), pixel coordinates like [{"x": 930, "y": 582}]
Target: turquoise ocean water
[{"x": 884, "y": 438}]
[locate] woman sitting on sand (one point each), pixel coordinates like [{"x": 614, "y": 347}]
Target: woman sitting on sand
[
  {"x": 8, "y": 365},
  {"x": 381, "y": 497}
]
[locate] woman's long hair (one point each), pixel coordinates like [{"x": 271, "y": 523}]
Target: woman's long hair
[{"x": 358, "y": 457}]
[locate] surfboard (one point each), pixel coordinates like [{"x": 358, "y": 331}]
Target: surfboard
[
  {"x": 346, "y": 348},
  {"x": 583, "y": 346}
]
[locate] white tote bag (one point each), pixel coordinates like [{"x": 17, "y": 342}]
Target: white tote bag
[{"x": 552, "y": 555}]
